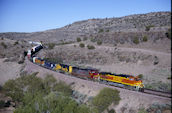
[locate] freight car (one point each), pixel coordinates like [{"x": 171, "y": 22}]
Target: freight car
[
  {"x": 49, "y": 65},
  {"x": 35, "y": 49},
  {"x": 38, "y": 61}
]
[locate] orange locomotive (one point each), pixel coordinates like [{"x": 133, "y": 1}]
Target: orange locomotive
[{"x": 119, "y": 80}]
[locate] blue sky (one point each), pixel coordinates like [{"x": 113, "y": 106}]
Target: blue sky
[{"x": 39, "y": 15}]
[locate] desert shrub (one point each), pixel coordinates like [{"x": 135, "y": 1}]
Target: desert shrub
[
  {"x": 49, "y": 81},
  {"x": 63, "y": 88},
  {"x": 145, "y": 39},
  {"x": 0, "y": 88},
  {"x": 51, "y": 45},
  {"x": 158, "y": 108},
  {"x": 160, "y": 86},
  {"x": 85, "y": 109},
  {"x": 90, "y": 47},
  {"x": 78, "y": 39},
  {"x": 2, "y": 103},
  {"x": 13, "y": 90},
  {"x": 136, "y": 40},
  {"x": 101, "y": 30},
  {"x": 168, "y": 34},
  {"x": 64, "y": 43},
  {"x": 106, "y": 97},
  {"x": 16, "y": 43},
  {"x": 122, "y": 58},
  {"x": 82, "y": 45},
  {"x": 93, "y": 40},
  {"x": 169, "y": 77},
  {"x": 25, "y": 53},
  {"x": 156, "y": 60},
  {"x": 3, "y": 45},
  {"x": 111, "y": 111},
  {"x": 142, "y": 110},
  {"x": 74, "y": 45},
  {"x": 36, "y": 95},
  {"x": 85, "y": 38},
  {"x": 148, "y": 27},
  {"x": 140, "y": 76},
  {"x": 21, "y": 62},
  {"x": 99, "y": 42},
  {"x": 107, "y": 30}
]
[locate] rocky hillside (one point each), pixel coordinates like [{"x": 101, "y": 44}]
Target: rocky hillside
[
  {"x": 109, "y": 30},
  {"x": 132, "y": 23}
]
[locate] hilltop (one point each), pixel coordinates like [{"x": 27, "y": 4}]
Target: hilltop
[{"x": 121, "y": 29}]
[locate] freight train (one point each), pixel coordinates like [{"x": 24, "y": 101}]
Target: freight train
[{"x": 121, "y": 80}]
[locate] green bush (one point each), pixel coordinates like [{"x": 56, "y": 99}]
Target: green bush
[
  {"x": 90, "y": 47},
  {"x": 111, "y": 111},
  {"x": 49, "y": 81},
  {"x": 148, "y": 27},
  {"x": 82, "y": 45},
  {"x": 36, "y": 95},
  {"x": 93, "y": 40},
  {"x": 107, "y": 30},
  {"x": 160, "y": 86},
  {"x": 21, "y": 62},
  {"x": 145, "y": 39},
  {"x": 101, "y": 30},
  {"x": 99, "y": 42},
  {"x": 106, "y": 97},
  {"x": 85, "y": 38},
  {"x": 168, "y": 34},
  {"x": 78, "y": 39},
  {"x": 4, "y": 45},
  {"x": 13, "y": 90},
  {"x": 64, "y": 43},
  {"x": 63, "y": 88},
  {"x": 140, "y": 76},
  {"x": 16, "y": 43},
  {"x": 136, "y": 40},
  {"x": 142, "y": 110},
  {"x": 169, "y": 77},
  {"x": 51, "y": 45}
]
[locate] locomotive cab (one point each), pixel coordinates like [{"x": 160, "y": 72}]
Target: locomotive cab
[{"x": 139, "y": 85}]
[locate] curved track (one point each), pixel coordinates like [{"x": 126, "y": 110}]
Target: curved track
[{"x": 146, "y": 91}]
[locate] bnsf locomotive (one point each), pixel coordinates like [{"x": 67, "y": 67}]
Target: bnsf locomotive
[{"x": 122, "y": 80}]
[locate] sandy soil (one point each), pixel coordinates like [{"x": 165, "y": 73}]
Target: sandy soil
[{"x": 9, "y": 70}]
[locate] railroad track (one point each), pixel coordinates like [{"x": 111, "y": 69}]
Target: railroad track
[
  {"x": 158, "y": 93},
  {"x": 146, "y": 91}
]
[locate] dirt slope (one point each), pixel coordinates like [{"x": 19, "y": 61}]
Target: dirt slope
[{"x": 9, "y": 70}]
